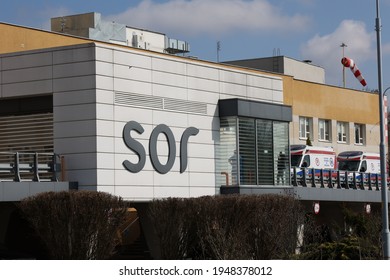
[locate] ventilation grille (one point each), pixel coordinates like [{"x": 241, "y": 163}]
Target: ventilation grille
[
  {"x": 27, "y": 133},
  {"x": 162, "y": 103},
  {"x": 138, "y": 100}
]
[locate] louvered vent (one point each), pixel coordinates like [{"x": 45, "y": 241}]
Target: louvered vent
[
  {"x": 185, "y": 106},
  {"x": 138, "y": 100},
  {"x": 23, "y": 133},
  {"x": 163, "y": 103}
]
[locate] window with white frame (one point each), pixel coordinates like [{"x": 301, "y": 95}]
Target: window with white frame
[
  {"x": 305, "y": 128},
  {"x": 324, "y": 130},
  {"x": 359, "y": 134},
  {"x": 342, "y": 132}
]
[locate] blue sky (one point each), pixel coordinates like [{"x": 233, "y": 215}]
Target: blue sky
[{"x": 300, "y": 29}]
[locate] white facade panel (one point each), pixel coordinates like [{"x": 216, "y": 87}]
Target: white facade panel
[
  {"x": 105, "y": 144},
  {"x": 133, "y": 60},
  {"x": 74, "y": 54},
  {"x": 81, "y": 161},
  {"x": 27, "y": 88},
  {"x": 74, "y": 97},
  {"x": 126, "y": 113},
  {"x": 104, "y": 112},
  {"x": 169, "y": 79},
  {"x": 144, "y": 193},
  {"x": 202, "y": 179},
  {"x": 105, "y": 161},
  {"x": 170, "y": 91},
  {"x": 75, "y": 129},
  {"x": 74, "y": 83},
  {"x": 126, "y": 178},
  {"x": 201, "y": 150},
  {"x": 27, "y": 74},
  {"x": 75, "y": 69},
  {"x": 85, "y": 177},
  {"x": 203, "y": 165},
  {"x": 165, "y": 192},
  {"x": 261, "y": 94},
  {"x": 69, "y": 145},
  {"x": 16, "y": 191},
  {"x": 175, "y": 179},
  {"x": 203, "y": 96},
  {"x": 104, "y": 54},
  {"x": 104, "y": 96},
  {"x": 203, "y": 72},
  {"x": 233, "y": 77},
  {"x": 106, "y": 177},
  {"x": 105, "y": 128},
  {"x": 22, "y": 61},
  {"x": 132, "y": 73},
  {"x": 237, "y": 90},
  {"x": 277, "y": 84},
  {"x": 203, "y": 84},
  {"x": 104, "y": 69},
  {"x": 104, "y": 82},
  {"x": 132, "y": 86},
  {"x": 278, "y": 97},
  {"x": 202, "y": 191},
  {"x": 171, "y": 118},
  {"x": 169, "y": 66},
  {"x": 260, "y": 82},
  {"x": 75, "y": 113}
]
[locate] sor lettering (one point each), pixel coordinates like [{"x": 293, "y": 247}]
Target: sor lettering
[{"x": 138, "y": 149}]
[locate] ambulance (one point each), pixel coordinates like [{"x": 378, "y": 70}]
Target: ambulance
[
  {"x": 357, "y": 164},
  {"x": 311, "y": 159}
]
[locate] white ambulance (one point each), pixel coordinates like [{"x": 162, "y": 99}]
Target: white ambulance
[
  {"x": 357, "y": 164},
  {"x": 359, "y": 161},
  {"x": 311, "y": 160},
  {"x": 312, "y": 157}
]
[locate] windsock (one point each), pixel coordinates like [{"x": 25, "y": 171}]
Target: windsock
[{"x": 347, "y": 62}]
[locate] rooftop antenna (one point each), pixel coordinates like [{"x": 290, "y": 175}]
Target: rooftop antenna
[{"x": 343, "y": 45}]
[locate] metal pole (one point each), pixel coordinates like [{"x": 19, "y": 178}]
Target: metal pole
[
  {"x": 382, "y": 147},
  {"x": 343, "y": 45}
]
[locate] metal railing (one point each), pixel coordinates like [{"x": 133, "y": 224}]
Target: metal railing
[
  {"x": 322, "y": 178},
  {"x": 29, "y": 166}
]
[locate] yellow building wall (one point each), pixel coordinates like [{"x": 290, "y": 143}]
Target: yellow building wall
[
  {"x": 16, "y": 38},
  {"x": 320, "y": 101},
  {"x": 329, "y": 102}
]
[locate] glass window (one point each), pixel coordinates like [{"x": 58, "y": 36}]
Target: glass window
[
  {"x": 227, "y": 157},
  {"x": 305, "y": 127},
  {"x": 247, "y": 151},
  {"x": 342, "y": 132},
  {"x": 359, "y": 134},
  {"x": 324, "y": 130},
  {"x": 265, "y": 157},
  {"x": 257, "y": 153},
  {"x": 281, "y": 153}
]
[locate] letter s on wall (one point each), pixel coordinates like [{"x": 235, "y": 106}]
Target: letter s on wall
[{"x": 135, "y": 146}]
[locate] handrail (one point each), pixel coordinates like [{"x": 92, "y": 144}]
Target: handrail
[
  {"x": 32, "y": 166},
  {"x": 311, "y": 177}
]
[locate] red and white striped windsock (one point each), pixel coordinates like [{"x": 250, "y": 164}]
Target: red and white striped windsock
[{"x": 347, "y": 62}]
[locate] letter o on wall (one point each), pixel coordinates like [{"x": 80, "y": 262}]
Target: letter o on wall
[{"x": 162, "y": 128}]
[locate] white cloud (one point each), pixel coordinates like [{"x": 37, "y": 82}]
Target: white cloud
[
  {"x": 197, "y": 17},
  {"x": 326, "y": 51}
]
